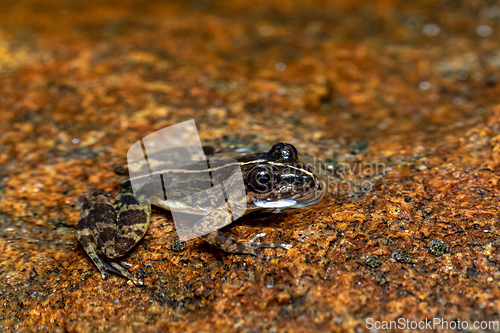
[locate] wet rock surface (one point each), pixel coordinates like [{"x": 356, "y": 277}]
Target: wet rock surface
[{"x": 397, "y": 103}]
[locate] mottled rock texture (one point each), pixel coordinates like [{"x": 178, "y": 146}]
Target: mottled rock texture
[{"x": 411, "y": 87}]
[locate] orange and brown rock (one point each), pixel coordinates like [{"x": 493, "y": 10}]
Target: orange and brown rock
[{"x": 412, "y": 86}]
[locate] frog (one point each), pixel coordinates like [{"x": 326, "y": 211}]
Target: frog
[{"x": 274, "y": 180}]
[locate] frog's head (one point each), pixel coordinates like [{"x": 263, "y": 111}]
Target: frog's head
[{"x": 281, "y": 180}]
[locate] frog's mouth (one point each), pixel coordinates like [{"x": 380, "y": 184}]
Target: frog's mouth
[
  {"x": 295, "y": 201},
  {"x": 280, "y": 204},
  {"x": 313, "y": 197}
]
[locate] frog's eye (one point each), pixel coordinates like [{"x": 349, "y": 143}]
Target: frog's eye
[
  {"x": 261, "y": 179},
  {"x": 283, "y": 152}
]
